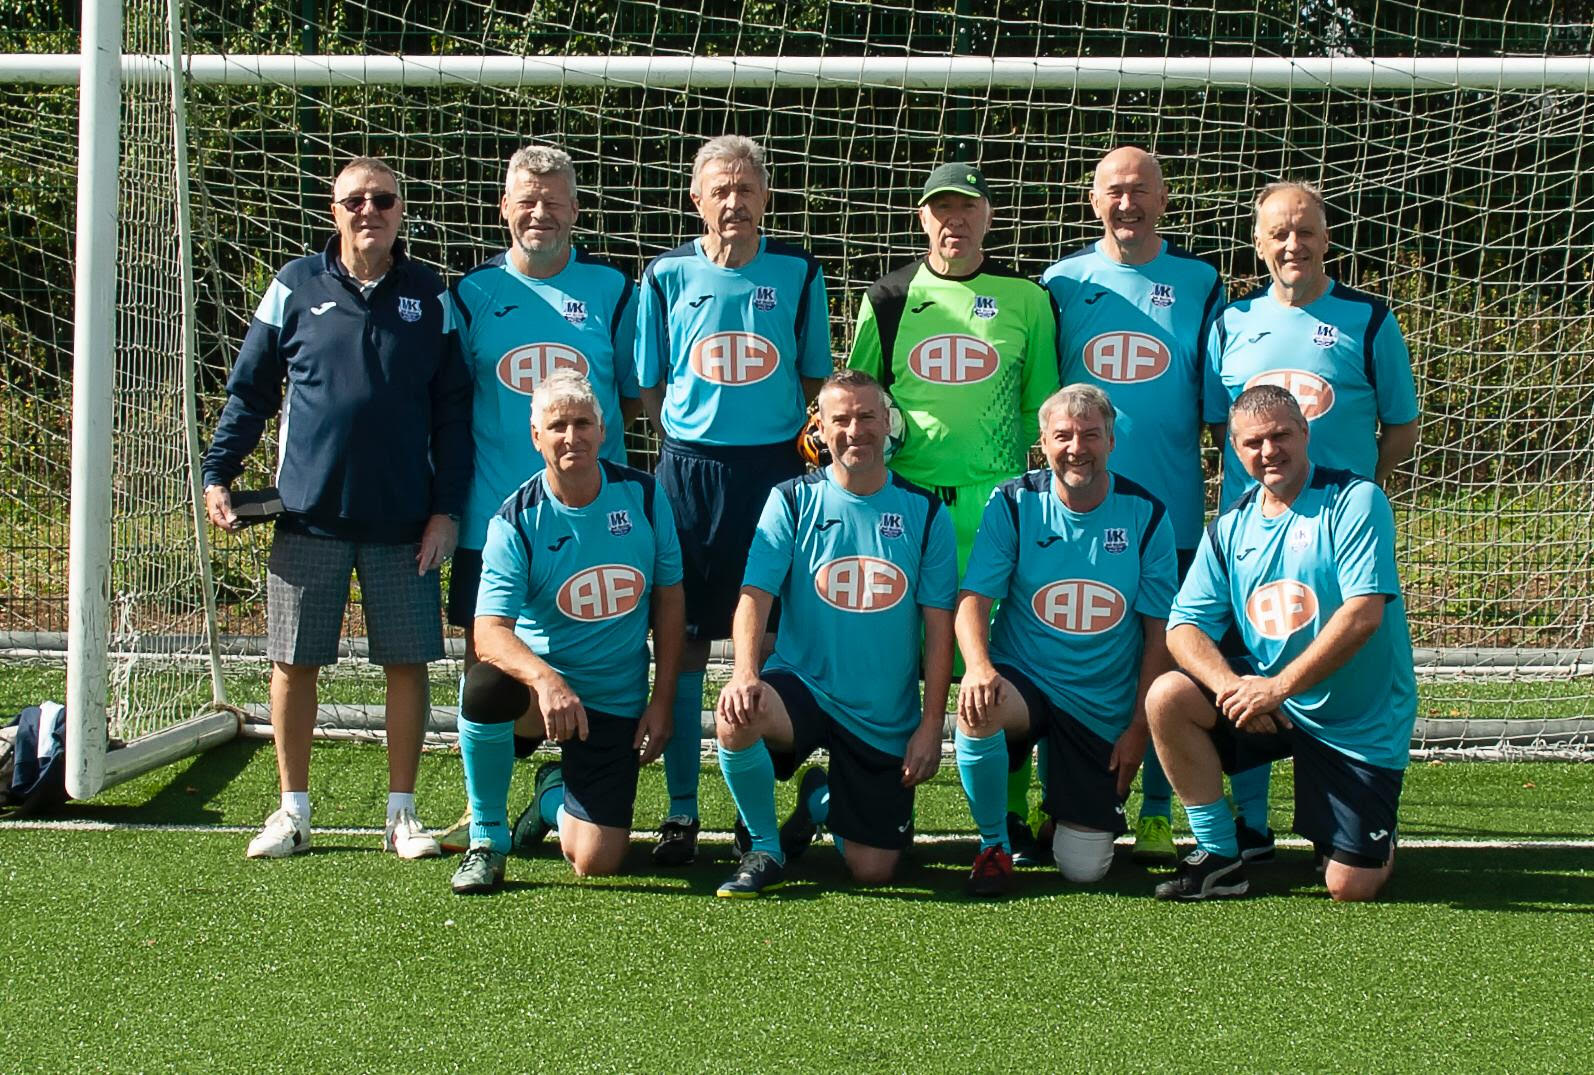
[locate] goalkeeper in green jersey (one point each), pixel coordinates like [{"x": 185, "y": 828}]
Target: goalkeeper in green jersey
[{"x": 967, "y": 346}]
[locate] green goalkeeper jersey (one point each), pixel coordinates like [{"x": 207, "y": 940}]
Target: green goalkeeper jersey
[{"x": 968, "y": 359}]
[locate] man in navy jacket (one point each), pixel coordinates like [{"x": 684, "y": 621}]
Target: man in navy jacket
[{"x": 355, "y": 347}]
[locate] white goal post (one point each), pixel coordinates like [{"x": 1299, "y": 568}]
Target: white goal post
[{"x": 128, "y": 75}]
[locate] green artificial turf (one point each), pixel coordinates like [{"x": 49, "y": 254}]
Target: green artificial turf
[{"x": 152, "y": 950}]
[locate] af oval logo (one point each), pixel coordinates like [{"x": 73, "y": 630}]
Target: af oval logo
[
  {"x": 953, "y": 359},
  {"x": 734, "y": 358},
  {"x": 1127, "y": 357},
  {"x": 1279, "y": 609},
  {"x": 1315, "y": 395},
  {"x": 604, "y": 592},
  {"x": 524, "y": 368},
  {"x": 1079, "y": 606},
  {"x": 861, "y": 584}
]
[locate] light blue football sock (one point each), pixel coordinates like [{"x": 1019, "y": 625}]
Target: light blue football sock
[
  {"x": 840, "y": 846},
  {"x": 750, "y": 776},
  {"x": 819, "y": 804},
  {"x": 1213, "y": 826},
  {"x": 982, "y": 766},
  {"x": 683, "y": 754},
  {"x": 1250, "y": 789},
  {"x": 551, "y": 805},
  {"x": 489, "y": 754},
  {"x": 1156, "y": 794}
]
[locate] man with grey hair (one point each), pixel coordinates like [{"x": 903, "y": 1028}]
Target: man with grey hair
[
  {"x": 373, "y": 473},
  {"x": 1133, "y": 310},
  {"x": 1082, "y": 561},
  {"x": 578, "y": 562},
  {"x": 1339, "y": 352},
  {"x": 1302, "y": 570},
  {"x": 733, "y": 342},
  {"x": 541, "y": 305}
]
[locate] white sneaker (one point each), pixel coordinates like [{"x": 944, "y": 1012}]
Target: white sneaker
[
  {"x": 408, "y": 838},
  {"x": 285, "y": 834}
]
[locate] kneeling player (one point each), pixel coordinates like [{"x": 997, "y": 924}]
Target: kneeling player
[
  {"x": 862, "y": 561},
  {"x": 575, "y": 564},
  {"x": 1304, "y": 566},
  {"x": 1083, "y": 563}
]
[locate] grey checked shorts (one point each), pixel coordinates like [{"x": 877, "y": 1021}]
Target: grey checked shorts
[{"x": 307, "y": 590}]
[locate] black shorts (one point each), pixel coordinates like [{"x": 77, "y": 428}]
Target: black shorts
[
  {"x": 717, "y": 493},
  {"x": 601, "y": 771},
  {"x": 1346, "y": 807},
  {"x": 464, "y": 579},
  {"x": 1080, "y": 788},
  {"x": 867, "y": 800}
]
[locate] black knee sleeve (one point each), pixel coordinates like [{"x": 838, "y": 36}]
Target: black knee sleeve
[{"x": 492, "y": 697}]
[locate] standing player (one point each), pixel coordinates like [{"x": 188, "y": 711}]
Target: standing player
[
  {"x": 967, "y": 348},
  {"x": 1082, "y": 560},
  {"x": 577, "y": 563},
  {"x": 357, "y": 343},
  {"x": 861, "y": 561},
  {"x": 1339, "y": 352},
  {"x": 540, "y": 305},
  {"x": 1133, "y": 310},
  {"x": 733, "y": 341},
  {"x": 1304, "y": 567}
]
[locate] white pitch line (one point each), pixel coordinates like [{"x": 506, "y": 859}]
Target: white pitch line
[{"x": 725, "y": 837}]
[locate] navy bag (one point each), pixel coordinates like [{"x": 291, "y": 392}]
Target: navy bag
[{"x": 38, "y": 781}]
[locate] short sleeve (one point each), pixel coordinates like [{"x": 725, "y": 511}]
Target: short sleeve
[
  {"x": 625, "y": 344},
  {"x": 1397, "y": 390},
  {"x": 814, "y": 360},
  {"x": 769, "y": 558},
  {"x": 1203, "y": 599},
  {"x": 1214, "y": 396},
  {"x": 506, "y": 571},
  {"x": 1364, "y": 542},
  {"x": 938, "y": 571},
  {"x": 1159, "y": 569},
  {"x": 652, "y": 332}
]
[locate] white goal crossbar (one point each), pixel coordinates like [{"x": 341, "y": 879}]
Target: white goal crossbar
[{"x": 837, "y": 72}]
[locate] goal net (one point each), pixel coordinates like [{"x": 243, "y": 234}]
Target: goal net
[{"x": 1456, "y": 188}]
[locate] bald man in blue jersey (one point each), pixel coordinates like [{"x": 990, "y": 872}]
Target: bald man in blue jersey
[
  {"x": 1133, "y": 311},
  {"x": 1303, "y": 567},
  {"x": 1338, "y": 351},
  {"x": 733, "y": 339},
  {"x": 863, "y": 561}
]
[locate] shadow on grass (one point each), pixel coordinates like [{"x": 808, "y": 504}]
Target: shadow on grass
[
  {"x": 1529, "y": 879},
  {"x": 189, "y": 795}
]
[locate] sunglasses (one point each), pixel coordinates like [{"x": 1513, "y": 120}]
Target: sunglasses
[{"x": 380, "y": 202}]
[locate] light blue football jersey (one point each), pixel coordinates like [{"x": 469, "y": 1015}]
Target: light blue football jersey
[
  {"x": 1281, "y": 580},
  {"x": 1342, "y": 357},
  {"x": 1074, "y": 588},
  {"x": 515, "y": 330},
  {"x": 579, "y": 581},
  {"x": 851, "y": 573},
  {"x": 1137, "y": 332},
  {"x": 731, "y": 346}
]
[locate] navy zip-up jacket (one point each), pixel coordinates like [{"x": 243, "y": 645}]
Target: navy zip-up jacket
[{"x": 375, "y": 433}]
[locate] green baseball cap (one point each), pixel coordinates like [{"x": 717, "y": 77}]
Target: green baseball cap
[{"x": 957, "y": 178}]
